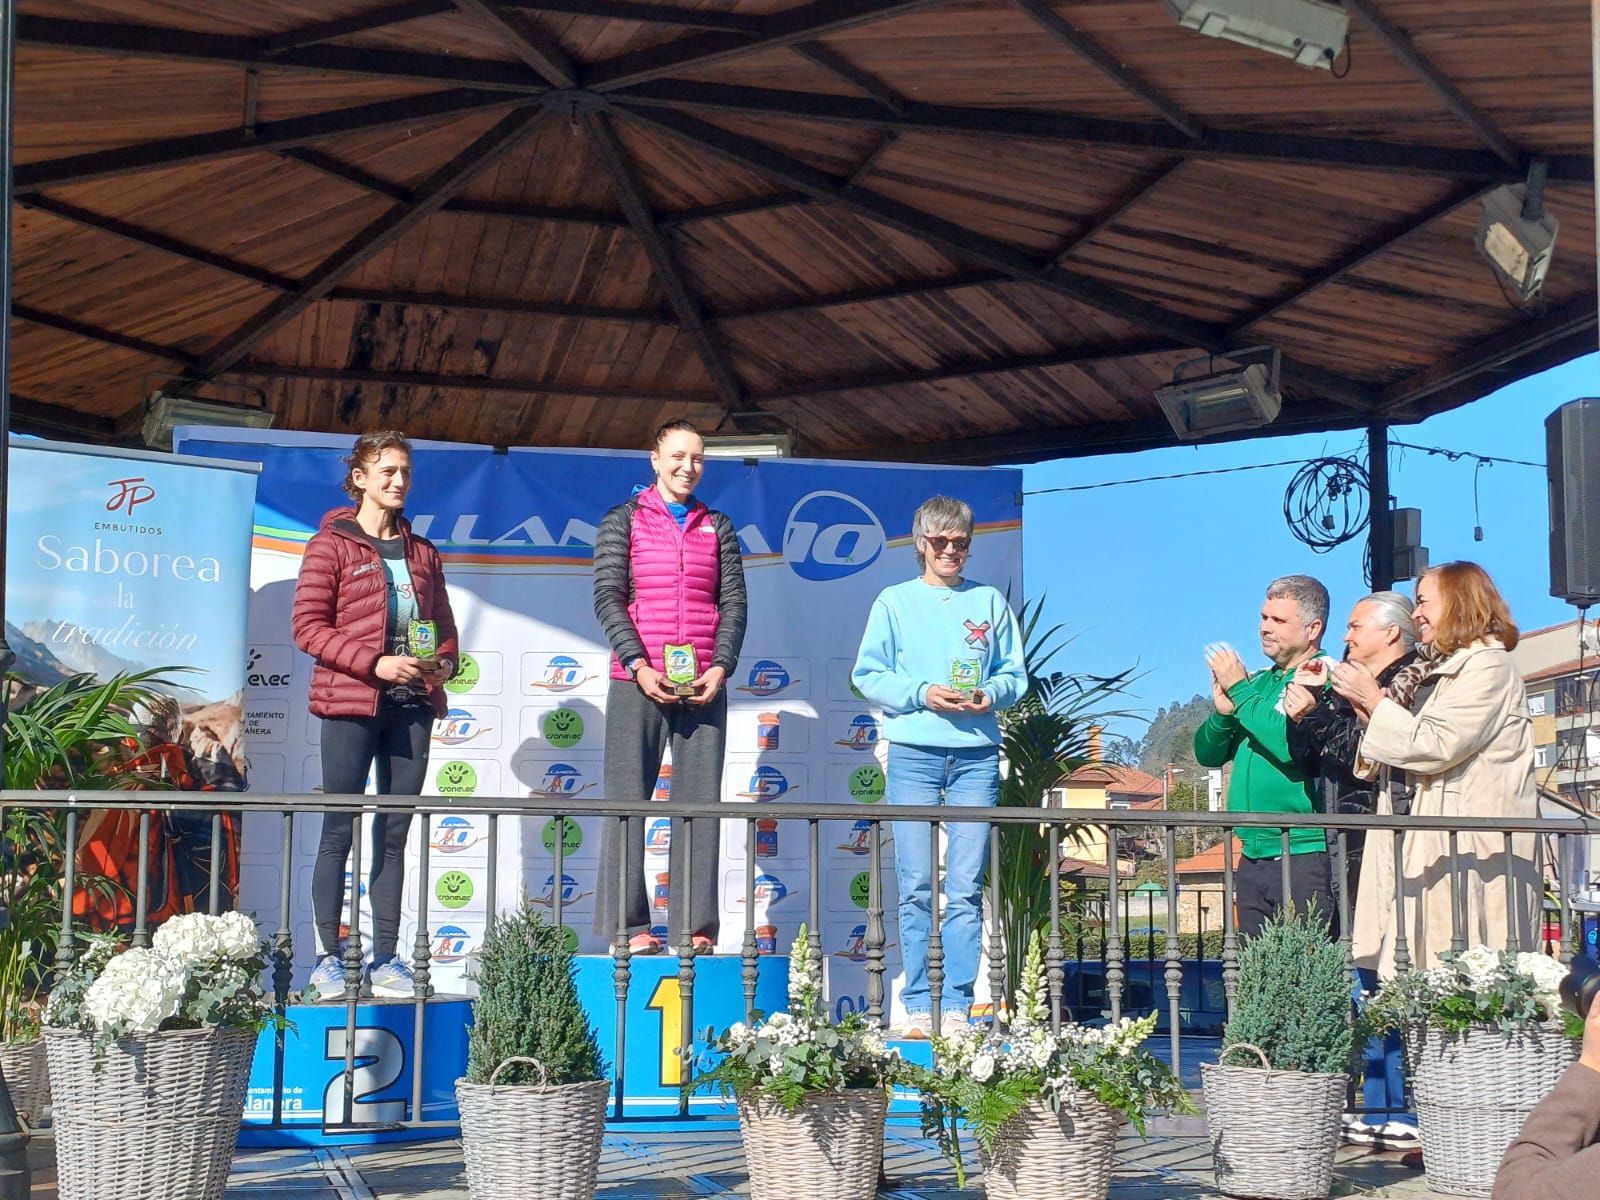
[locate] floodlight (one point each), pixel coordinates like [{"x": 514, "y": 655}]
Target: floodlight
[
  {"x": 166, "y": 411},
  {"x": 1312, "y": 32},
  {"x": 1245, "y": 396},
  {"x": 753, "y": 445},
  {"x": 1517, "y": 235}
]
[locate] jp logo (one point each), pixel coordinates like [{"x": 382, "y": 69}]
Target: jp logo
[
  {"x": 457, "y": 778},
  {"x": 453, "y": 889},
  {"x": 867, "y": 784},
  {"x": 830, "y": 535},
  {"x": 466, "y": 677},
  {"x": 562, "y": 728}
]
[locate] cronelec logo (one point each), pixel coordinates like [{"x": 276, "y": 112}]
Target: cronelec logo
[
  {"x": 267, "y": 667},
  {"x": 830, "y": 535},
  {"x": 129, "y": 494}
]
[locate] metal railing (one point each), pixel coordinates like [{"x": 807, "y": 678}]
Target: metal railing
[{"x": 1093, "y": 912}]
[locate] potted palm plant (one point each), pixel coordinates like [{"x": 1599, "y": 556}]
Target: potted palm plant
[
  {"x": 533, "y": 1099},
  {"x": 1274, "y": 1123},
  {"x": 1486, "y": 1038},
  {"x": 76, "y": 734},
  {"x": 1043, "y": 1103},
  {"x": 812, "y": 1094},
  {"x": 150, "y": 1052}
]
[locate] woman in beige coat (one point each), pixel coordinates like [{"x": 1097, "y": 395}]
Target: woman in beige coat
[{"x": 1457, "y": 724}]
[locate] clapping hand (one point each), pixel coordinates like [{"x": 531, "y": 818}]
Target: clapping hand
[{"x": 1357, "y": 685}]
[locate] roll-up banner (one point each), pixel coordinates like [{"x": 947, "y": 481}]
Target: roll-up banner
[
  {"x": 125, "y": 561},
  {"x": 527, "y": 709}
]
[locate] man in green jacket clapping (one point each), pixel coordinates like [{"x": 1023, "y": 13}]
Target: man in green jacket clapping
[{"x": 1248, "y": 728}]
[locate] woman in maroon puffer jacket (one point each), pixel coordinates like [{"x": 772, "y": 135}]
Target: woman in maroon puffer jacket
[{"x": 365, "y": 582}]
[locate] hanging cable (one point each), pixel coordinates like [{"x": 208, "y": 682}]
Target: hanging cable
[
  {"x": 1327, "y": 502},
  {"x": 1477, "y": 516}
]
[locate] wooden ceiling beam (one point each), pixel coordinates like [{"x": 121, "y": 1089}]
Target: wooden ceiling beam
[
  {"x": 267, "y": 136},
  {"x": 1141, "y": 190},
  {"x": 866, "y": 295},
  {"x": 803, "y": 23},
  {"x": 652, "y": 14},
  {"x": 328, "y": 164},
  {"x": 156, "y": 241},
  {"x": 510, "y": 307},
  {"x": 44, "y": 419},
  {"x": 527, "y": 41},
  {"x": 97, "y": 333},
  {"x": 146, "y": 41},
  {"x": 366, "y": 22},
  {"x": 1494, "y": 356},
  {"x": 399, "y": 220},
  {"x": 1383, "y": 240},
  {"x": 730, "y": 208},
  {"x": 465, "y": 383},
  {"x": 840, "y": 67},
  {"x": 1113, "y": 68},
  {"x": 967, "y": 243},
  {"x": 1402, "y": 47},
  {"x": 669, "y": 274},
  {"x": 971, "y": 369},
  {"x": 1043, "y": 125}
]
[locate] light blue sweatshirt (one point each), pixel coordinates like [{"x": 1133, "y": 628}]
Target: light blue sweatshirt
[{"x": 916, "y": 634}]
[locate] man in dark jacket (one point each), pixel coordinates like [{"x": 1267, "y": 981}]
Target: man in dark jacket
[{"x": 1324, "y": 734}]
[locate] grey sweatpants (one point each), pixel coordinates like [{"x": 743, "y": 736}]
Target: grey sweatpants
[{"x": 637, "y": 733}]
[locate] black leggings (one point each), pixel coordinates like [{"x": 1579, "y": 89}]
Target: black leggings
[{"x": 398, "y": 739}]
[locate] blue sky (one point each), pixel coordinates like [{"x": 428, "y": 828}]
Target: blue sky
[{"x": 1147, "y": 574}]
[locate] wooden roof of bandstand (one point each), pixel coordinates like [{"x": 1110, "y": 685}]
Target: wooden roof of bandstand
[{"x": 971, "y": 232}]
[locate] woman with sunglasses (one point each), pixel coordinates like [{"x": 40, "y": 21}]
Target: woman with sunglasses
[{"x": 941, "y": 655}]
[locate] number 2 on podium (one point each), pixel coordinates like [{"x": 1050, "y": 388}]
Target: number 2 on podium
[{"x": 668, "y": 1001}]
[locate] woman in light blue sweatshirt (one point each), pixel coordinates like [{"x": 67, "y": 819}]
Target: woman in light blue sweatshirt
[{"x": 941, "y": 655}]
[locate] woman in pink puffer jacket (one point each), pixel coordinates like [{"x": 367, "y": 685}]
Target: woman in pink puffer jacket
[{"x": 669, "y": 593}]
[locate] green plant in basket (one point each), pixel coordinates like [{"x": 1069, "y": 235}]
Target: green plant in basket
[
  {"x": 985, "y": 1077},
  {"x": 1293, "y": 998},
  {"x": 1508, "y": 991},
  {"x": 790, "y": 1055},
  {"x": 527, "y": 1006}
]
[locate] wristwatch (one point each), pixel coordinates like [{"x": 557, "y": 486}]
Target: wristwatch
[{"x": 633, "y": 667}]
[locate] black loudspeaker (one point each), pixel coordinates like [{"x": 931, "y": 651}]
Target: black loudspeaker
[{"x": 1572, "y": 461}]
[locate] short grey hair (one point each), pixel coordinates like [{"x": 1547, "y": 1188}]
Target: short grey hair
[
  {"x": 939, "y": 513},
  {"x": 1310, "y": 597},
  {"x": 1393, "y": 611}
]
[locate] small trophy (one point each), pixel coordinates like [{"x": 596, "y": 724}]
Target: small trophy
[
  {"x": 422, "y": 639},
  {"x": 682, "y": 669},
  {"x": 964, "y": 676}
]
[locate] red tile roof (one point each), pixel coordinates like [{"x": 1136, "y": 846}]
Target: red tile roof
[
  {"x": 1208, "y": 862},
  {"x": 1117, "y": 780}
]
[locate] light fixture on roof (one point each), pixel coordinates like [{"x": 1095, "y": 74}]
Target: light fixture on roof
[
  {"x": 749, "y": 445},
  {"x": 1244, "y": 396},
  {"x": 1516, "y": 233},
  {"x": 165, "y": 411},
  {"x": 1312, "y": 32}
]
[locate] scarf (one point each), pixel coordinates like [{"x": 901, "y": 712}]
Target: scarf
[{"x": 1404, "y": 686}]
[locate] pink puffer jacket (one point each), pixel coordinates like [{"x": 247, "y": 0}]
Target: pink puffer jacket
[{"x": 657, "y": 584}]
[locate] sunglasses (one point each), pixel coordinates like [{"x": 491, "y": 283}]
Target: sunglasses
[{"x": 937, "y": 544}]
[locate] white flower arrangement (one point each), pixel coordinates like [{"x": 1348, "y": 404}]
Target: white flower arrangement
[
  {"x": 199, "y": 971},
  {"x": 984, "y": 1077},
  {"x": 1479, "y": 986},
  {"x": 790, "y": 1055}
]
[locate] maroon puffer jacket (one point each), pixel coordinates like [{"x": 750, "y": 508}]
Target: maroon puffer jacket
[{"x": 341, "y": 610}]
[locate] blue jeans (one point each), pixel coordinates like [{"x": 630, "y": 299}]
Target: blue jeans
[
  {"x": 969, "y": 777},
  {"x": 1384, "y": 1083}
]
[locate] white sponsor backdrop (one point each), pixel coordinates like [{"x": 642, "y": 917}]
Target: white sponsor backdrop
[{"x": 527, "y": 714}]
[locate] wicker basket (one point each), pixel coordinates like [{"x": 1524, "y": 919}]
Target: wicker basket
[
  {"x": 1273, "y": 1133},
  {"x": 27, "y": 1072},
  {"x": 830, "y": 1148},
  {"x": 156, "y": 1117},
  {"x": 1473, "y": 1091},
  {"x": 1044, "y": 1155},
  {"x": 530, "y": 1141}
]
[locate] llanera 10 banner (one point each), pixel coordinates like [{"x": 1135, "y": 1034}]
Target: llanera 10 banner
[{"x": 527, "y": 715}]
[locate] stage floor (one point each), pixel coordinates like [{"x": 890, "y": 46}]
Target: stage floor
[{"x": 1173, "y": 1164}]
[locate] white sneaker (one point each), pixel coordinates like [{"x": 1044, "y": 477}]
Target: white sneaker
[
  {"x": 917, "y": 1027},
  {"x": 952, "y": 1023}
]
